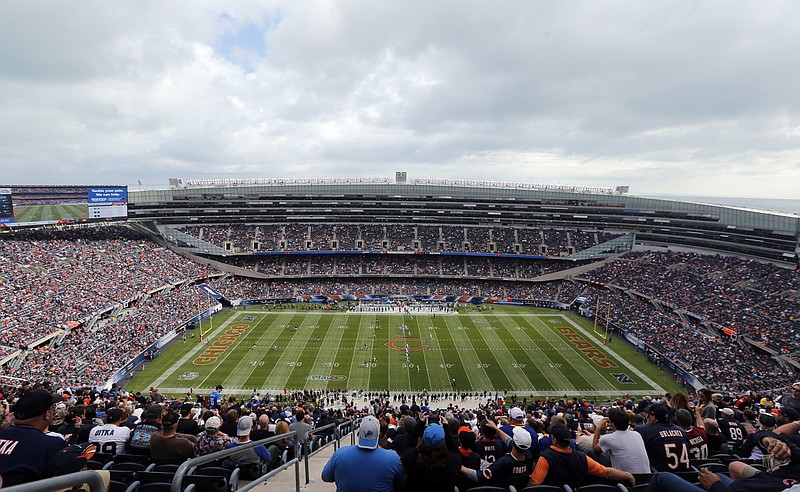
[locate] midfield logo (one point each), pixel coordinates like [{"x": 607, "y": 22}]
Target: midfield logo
[{"x": 320, "y": 377}]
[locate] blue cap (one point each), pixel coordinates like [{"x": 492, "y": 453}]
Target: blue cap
[{"x": 433, "y": 436}]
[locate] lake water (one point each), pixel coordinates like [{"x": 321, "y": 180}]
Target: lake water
[{"x": 772, "y": 204}]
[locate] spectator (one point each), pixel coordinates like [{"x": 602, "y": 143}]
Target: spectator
[
  {"x": 112, "y": 437},
  {"x": 708, "y": 410},
  {"x": 517, "y": 419},
  {"x": 431, "y": 466},
  {"x": 365, "y": 466},
  {"x": 513, "y": 468},
  {"x": 729, "y": 427},
  {"x": 775, "y": 480},
  {"x": 211, "y": 439},
  {"x": 753, "y": 447},
  {"x": 403, "y": 436},
  {"x": 562, "y": 465},
  {"x": 144, "y": 430},
  {"x": 262, "y": 432},
  {"x": 490, "y": 448},
  {"x": 257, "y": 456},
  {"x": 469, "y": 458},
  {"x": 623, "y": 447},
  {"x": 666, "y": 443},
  {"x": 302, "y": 428},
  {"x": 187, "y": 424},
  {"x": 791, "y": 399},
  {"x": 27, "y": 451},
  {"x": 169, "y": 447},
  {"x": 695, "y": 432}
]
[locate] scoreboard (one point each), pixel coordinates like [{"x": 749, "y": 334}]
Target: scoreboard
[
  {"x": 6, "y": 206},
  {"x": 31, "y": 205}
]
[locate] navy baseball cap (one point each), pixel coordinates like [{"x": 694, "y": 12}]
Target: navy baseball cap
[
  {"x": 790, "y": 413},
  {"x": 70, "y": 459},
  {"x": 34, "y": 403},
  {"x": 560, "y": 433},
  {"x": 658, "y": 411}
]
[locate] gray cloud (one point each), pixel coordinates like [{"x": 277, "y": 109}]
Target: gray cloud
[{"x": 678, "y": 97}]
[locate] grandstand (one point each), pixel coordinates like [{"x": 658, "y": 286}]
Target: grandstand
[
  {"x": 733, "y": 294},
  {"x": 283, "y": 290}
]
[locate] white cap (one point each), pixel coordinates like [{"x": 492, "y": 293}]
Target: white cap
[
  {"x": 244, "y": 426},
  {"x": 516, "y": 413},
  {"x": 522, "y": 438}
]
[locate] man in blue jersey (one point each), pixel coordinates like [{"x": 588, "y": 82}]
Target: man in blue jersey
[
  {"x": 25, "y": 450},
  {"x": 365, "y": 466},
  {"x": 215, "y": 398},
  {"x": 517, "y": 419},
  {"x": 667, "y": 445}
]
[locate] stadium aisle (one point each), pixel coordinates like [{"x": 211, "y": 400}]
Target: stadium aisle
[{"x": 285, "y": 479}]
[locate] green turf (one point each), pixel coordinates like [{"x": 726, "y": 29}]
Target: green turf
[
  {"x": 38, "y": 213},
  {"x": 508, "y": 350}
]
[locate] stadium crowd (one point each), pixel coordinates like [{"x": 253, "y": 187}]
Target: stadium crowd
[
  {"x": 411, "y": 265},
  {"x": 139, "y": 286},
  {"x": 370, "y": 237},
  {"x": 417, "y": 441},
  {"x": 752, "y": 298}
]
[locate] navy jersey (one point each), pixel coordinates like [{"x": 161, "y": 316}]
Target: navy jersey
[
  {"x": 732, "y": 431},
  {"x": 667, "y": 446},
  {"x": 25, "y": 453},
  {"x": 490, "y": 451},
  {"x": 508, "y": 471}
]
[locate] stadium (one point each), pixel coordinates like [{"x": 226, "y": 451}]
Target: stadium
[
  {"x": 687, "y": 285},
  {"x": 348, "y": 296}
]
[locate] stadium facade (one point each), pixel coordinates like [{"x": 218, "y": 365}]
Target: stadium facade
[{"x": 475, "y": 204}]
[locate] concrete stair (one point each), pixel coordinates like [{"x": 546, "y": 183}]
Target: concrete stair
[{"x": 285, "y": 480}]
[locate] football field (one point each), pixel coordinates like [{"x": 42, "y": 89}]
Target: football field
[
  {"x": 37, "y": 213},
  {"x": 551, "y": 353}
]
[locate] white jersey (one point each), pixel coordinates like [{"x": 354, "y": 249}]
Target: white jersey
[{"x": 110, "y": 438}]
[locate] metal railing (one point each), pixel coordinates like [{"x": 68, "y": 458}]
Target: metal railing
[
  {"x": 95, "y": 481},
  {"x": 182, "y": 470},
  {"x": 97, "y": 484},
  {"x": 338, "y": 433}
]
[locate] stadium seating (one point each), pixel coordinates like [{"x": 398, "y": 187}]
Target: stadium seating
[{"x": 683, "y": 304}]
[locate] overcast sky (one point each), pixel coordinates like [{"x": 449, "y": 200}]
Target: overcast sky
[{"x": 675, "y": 97}]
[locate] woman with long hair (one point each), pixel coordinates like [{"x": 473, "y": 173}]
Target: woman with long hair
[{"x": 431, "y": 466}]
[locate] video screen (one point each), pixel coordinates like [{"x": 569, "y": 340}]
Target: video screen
[{"x": 36, "y": 205}]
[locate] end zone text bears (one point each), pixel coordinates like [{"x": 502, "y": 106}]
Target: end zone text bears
[{"x": 586, "y": 347}]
